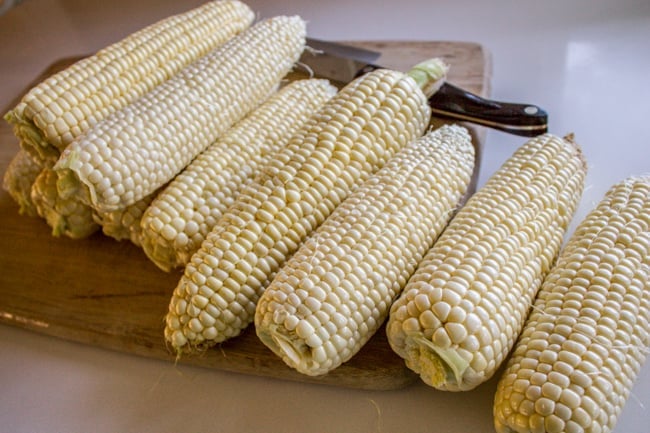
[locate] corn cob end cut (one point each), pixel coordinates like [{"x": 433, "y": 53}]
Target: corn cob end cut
[
  {"x": 31, "y": 139},
  {"x": 66, "y": 217},
  {"x": 588, "y": 333},
  {"x": 18, "y": 180},
  {"x": 460, "y": 313}
]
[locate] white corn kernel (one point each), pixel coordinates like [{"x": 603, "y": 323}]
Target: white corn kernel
[
  {"x": 585, "y": 377},
  {"x": 478, "y": 274},
  {"x": 218, "y": 173},
  {"x": 248, "y": 66},
  {"x": 55, "y": 112},
  {"x": 359, "y": 295},
  {"x": 309, "y": 148}
]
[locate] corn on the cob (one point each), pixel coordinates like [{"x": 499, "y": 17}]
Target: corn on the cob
[
  {"x": 18, "y": 180},
  {"x": 177, "y": 222},
  {"x": 66, "y": 104},
  {"x": 352, "y": 136},
  {"x": 66, "y": 217},
  {"x": 335, "y": 292},
  {"x": 141, "y": 147},
  {"x": 588, "y": 332},
  {"x": 462, "y": 310}
]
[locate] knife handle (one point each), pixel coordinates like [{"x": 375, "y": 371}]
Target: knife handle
[
  {"x": 526, "y": 120},
  {"x": 451, "y": 102}
]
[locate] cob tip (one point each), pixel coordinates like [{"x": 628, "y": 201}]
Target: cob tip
[
  {"x": 435, "y": 365},
  {"x": 429, "y": 75}
]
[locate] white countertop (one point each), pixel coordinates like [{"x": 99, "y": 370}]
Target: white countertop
[{"x": 586, "y": 62}]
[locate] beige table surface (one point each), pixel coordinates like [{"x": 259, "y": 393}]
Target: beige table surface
[{"x": 585, "y": 61}]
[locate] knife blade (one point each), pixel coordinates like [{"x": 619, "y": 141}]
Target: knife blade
[{"x": 342, "y": 63}]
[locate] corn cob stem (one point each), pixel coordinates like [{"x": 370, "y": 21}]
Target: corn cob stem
[
  {"x": 588, "y": 332},
  {"x": 65, "y": 105},
  {"x": 177, "y": 222},
  {"x": 462, "y": 310},
  {"x": 429, "y": 75},
  {"x": 141, "y": 147},
  {"x": 335, "y": 292},
  {"x": 351, "y": 137}
]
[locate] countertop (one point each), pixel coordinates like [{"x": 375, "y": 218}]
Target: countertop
[{"x": 585, "y": 61}]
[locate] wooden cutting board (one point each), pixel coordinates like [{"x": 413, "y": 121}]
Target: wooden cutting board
[{"x": 107, "y": 294}]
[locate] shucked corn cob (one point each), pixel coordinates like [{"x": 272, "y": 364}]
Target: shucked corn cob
[
  {"x": 462, "y": 310},
  {"x": 352, "y": 136},
  {"x": 335, "y": 292},
  {"x": 18, "y": 180},
  {"x": 588, "y": 332},
  {"x": 62, "y": 107},
  {"x": 177, "y": 222},
  {"x": 141, "y": 147}
]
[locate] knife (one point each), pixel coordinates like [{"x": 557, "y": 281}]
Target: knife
[{"x": 343, "y": 63}]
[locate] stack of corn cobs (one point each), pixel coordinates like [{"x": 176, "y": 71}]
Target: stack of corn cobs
[{"x": 319, "y": 214}]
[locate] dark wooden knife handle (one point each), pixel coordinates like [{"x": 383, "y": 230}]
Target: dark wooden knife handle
[{"x": 451, "y": 102}]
